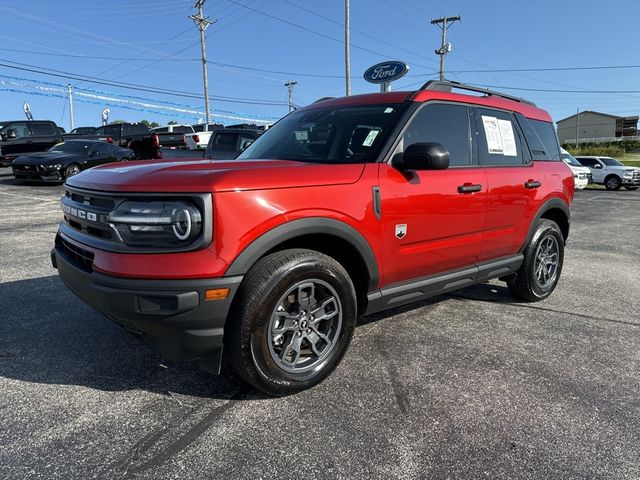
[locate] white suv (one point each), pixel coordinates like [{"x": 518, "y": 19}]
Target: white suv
[
  {"x": 611, "y": 173},
  {"x": 581, "y": 175}
]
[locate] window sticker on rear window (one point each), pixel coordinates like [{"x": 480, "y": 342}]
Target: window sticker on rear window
[
  {"x": 508, "y": 138},
  {"x": 500, "y": 137},
  {"x": 492, "y": 134}
]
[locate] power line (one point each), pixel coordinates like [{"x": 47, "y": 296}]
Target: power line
[
  {"x": 93, "y": 57},
  {"x": 129, "y": 86}
]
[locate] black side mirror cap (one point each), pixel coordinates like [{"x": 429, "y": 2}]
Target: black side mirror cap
[{"x": 422, "y": 156}]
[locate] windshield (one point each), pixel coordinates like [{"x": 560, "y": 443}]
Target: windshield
[
  {"x": 71, "y": 147},
  {"x": 342, "y": 134},
  {"x": 570, "y": 160},
  {"x": 610, "y": 162}
]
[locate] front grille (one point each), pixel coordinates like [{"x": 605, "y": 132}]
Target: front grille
[
  {"x": 81, "y": 258},
  {"x": 87, "y": 203},
  {"x": 636, "y": 176}
]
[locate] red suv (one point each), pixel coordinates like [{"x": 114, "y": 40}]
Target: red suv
[{"x": 343, "y": 208}]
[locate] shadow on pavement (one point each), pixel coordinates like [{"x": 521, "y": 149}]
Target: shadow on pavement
[{"x": 49, "y": 336}]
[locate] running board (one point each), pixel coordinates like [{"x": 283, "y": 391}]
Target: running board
[{"x": 426, "y": 287}]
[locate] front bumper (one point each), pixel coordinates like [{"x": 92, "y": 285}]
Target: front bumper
[
  {"x": 580, "y": 183},
  {"x": 171, "y": 316},
  {"x": 37, "y": 175}
]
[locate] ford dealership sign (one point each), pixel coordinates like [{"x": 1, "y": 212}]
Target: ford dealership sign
[{"x": 386, "y": 72}]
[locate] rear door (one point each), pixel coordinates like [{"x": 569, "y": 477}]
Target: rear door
[
  {"x": 514, "y": 180},
  {"x": 433, "y": 220},
  {"x": 44, "y": 135}
]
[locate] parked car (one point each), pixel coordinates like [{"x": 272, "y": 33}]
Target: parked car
[
  {"x": 21, "y": 136},
  {"x": 200, "y": 139},
  {"x": 581, "y": 175},
  {"x": 136, "y": 136},
  {"x": 82, "y": 131},
  {"x": 172, "y": 135},
  {"x": 226, "y": 144},
  {"x": 611, "y": 173},
  {"x": 343, "y": 208},
  {"x": 67, "y": 159}
]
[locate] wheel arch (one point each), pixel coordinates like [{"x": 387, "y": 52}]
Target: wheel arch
[
  {"x": 556, "y": 210},
  {"x": 332, "y": 237}
]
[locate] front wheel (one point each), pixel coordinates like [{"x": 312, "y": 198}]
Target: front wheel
[
  {"x": 72, "y": 170},
  {"x": 292, "y": 321},
  {"x": 613, "y": 183},
  {"x": 542, "y": 265}
]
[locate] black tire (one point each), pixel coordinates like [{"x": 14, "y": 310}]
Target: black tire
[
  {"x": 250, "y": 341},
  {"x": 612, "y": 182},
  {"x": 528, "y": 285},
  {"x": 631, "y": 189},
  {"x": 71, "y": 170}
]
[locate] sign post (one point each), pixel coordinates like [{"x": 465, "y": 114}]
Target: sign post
[{"x": 386, "y": 72}]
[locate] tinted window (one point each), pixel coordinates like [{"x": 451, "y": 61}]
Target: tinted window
[
  {"x": 161, "y": 130},
  {"x": 109, "y": 130},
  {"x": 71, "y": 147},
  {"x": 610, "y": 162},
  {"x": 199, "y": 128},
  {"x": 447, "y": 125},
  {"x": 536, "y": 147},
  {"x": 499, "y": 139},
  {"x": 43, "y": 129},
  {"x": 329, "y": 134},
  {"x": 587, "y": 162},
  {"x": 225, "y": 142},
  {"x": 101, "y": 148},
  {"x": 182, "y": 129},
  {"x": 547, "y": 134},
  {"x": 135, "y": 129}
]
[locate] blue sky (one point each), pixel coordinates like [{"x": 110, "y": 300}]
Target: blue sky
[{"x": 108, "y": 39}]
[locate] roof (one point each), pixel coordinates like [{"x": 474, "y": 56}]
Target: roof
[
  {"x": 421, "y": 96},
  {"x": 593, "y": 112}
]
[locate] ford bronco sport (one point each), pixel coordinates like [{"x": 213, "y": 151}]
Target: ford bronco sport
[{"x": 343, "y": 208}]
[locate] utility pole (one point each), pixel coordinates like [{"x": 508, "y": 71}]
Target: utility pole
[
  {"x": 347, "y": 55},
  {"x": 70, "y": 93},
  {"x": 202, "y": 23},
  {"x": 577, "y": 125},
  {"x": 290, "y": 84},
  {"x": 444, "y": 23}
]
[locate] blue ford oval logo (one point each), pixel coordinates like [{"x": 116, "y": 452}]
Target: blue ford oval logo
[{"x": 386, "y": 72}]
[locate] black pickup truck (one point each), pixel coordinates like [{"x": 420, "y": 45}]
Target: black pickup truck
[
  {"x": 135, "y": 136},
  {"x": 228, "y": 143},
  {"x": 18, "y": 137}
]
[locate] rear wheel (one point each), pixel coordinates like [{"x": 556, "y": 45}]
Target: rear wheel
[
  {"x": 542, "y": 265},
  {"x": 612, "y": 182},
  {"x": 293, "y": 320},
  {"x": 72, "y": 170}
]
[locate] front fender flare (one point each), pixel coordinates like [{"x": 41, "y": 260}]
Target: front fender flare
[{"x": 306, "y": 226}]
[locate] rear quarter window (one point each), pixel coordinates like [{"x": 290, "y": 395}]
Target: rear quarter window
[
  {"x": 43, "y": 130},
  {"x": 547, "y": 135}
]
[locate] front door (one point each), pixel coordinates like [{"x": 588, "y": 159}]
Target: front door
[{"x": 433, "y": 220}]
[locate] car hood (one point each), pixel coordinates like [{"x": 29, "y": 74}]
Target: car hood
[
  {"x": 45, "y": 158},
  {"x": 213, "y": 176}
]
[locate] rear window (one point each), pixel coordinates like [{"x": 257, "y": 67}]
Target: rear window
[
  {"x": 43, "y": 129},
  {"x": 135, "y": 129},
  {"x": 182, "y": 129},
  {"x": 547, "y": 135}
]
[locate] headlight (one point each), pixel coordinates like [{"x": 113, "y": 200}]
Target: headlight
[
  {"x": 628, "y": 173},
  {"x": 156, "y": 223}
]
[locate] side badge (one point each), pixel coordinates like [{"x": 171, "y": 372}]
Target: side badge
[{"x": 401, "y": 230}]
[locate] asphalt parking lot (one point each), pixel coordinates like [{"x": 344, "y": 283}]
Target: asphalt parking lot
[{"x": 468, "y": 385}]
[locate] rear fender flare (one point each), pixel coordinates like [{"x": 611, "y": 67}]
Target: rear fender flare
[{"x": 546, "y": 206}]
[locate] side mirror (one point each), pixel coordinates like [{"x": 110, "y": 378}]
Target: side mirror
[
  {"x": 597, "y": 165},
  {"x": 11, "y": 134},
  {"x": 423, "y": 156}
]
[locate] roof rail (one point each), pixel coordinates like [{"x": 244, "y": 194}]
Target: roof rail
[{"x": 448, "y": 85}]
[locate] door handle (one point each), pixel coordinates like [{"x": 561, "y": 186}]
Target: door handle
[
  {"x": 469, "y": 188},
  {"x": 532, "y": 184}
]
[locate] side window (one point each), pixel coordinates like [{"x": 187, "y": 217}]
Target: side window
[
  {"x": 445, "y": 124},
  {"x": 500, "y": 142},
  {"x": 101, "y": 148},
  {"x": 587, "y": 162},
  {"x": 547, "y": 135},
  {"x": 20, "y": 129},
  {"x": 43, "y": 129},
  {"x": 100, "y": 131},
  {"x": 225, "y": 142},
  {"x": 538, "y": 150},
  {"x": 109, "y": 130},
  {"x": 161, "y": 130}
]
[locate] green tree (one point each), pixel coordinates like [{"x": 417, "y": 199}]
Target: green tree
[
  {"x": 149, "y": 124},
  {"x": 115, "y": 122},
  {"x": 172, "y": 122}
]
